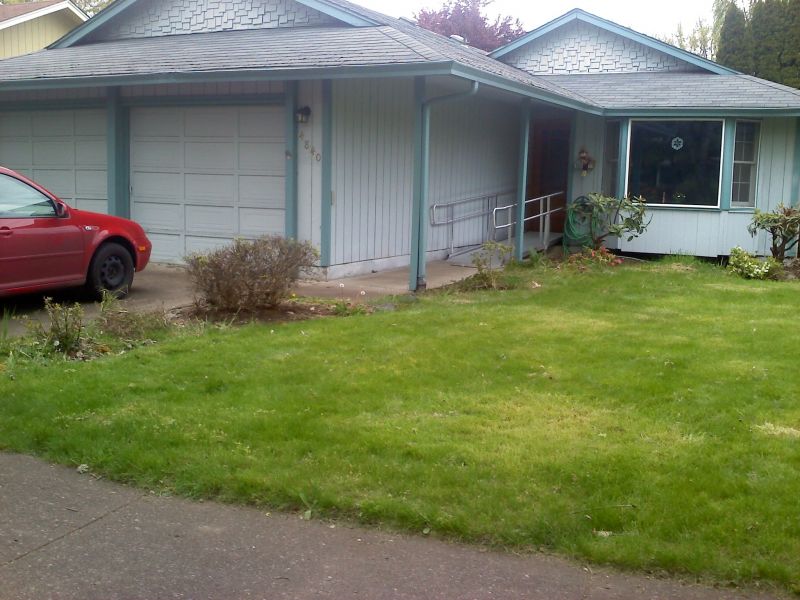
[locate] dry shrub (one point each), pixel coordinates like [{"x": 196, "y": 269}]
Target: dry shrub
[
  {"x": 128, "y": 325},
  {"x": 250, "y": 274}
]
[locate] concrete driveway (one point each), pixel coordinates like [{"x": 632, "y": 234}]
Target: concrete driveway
[{"x": 165, "y": 287}]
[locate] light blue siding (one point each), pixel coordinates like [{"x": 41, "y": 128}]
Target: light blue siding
[
  {"x": 589, "y": 134},
  {"x": 372, "y": 173}
]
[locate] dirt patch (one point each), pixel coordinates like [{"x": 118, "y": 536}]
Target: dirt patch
[{"x": 299, "y": 309}]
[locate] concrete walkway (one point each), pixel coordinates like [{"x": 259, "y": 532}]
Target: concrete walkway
[
  {"x": 69, "y": 536},
  {"x": 167, "y": 287}
]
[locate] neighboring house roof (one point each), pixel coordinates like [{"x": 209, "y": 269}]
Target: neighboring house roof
[
  {"x": 577, "y": 14},
  {"x": 14, "y": 14},
  {"x": 630, "y": 92}
]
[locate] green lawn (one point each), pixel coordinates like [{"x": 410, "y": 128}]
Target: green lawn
[{"x": 644, "y": 416}]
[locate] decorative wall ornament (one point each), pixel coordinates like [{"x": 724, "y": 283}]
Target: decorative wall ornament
[
  {"x": 677, "y": 143},
  {"x": 585, "y": 162}
]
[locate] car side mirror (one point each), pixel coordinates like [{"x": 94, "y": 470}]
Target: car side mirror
[{"x": 61, "y": 210}]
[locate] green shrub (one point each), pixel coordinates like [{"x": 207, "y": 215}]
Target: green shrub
[
  {"x": 64, "y": 331},
  {"x": 591, "y": 219},
  {"x": 489, "y": 261},
  {"x": 250, "y": 274},
  {"x": 782, "y": 225},
  {"x": 748, "y": 266}
]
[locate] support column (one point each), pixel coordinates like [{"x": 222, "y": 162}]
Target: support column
[
  {"x": 522, "y": 176},
  {"x": 622, "y": 176},
  {"x": 290, "y": 106},
  {"x": 327, "y": 173},
  {"x": 416, "y": 278},
  {"x": 117, "y": 155}
]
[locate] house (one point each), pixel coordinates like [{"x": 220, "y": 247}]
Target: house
[
  {"x": 31, "y": 26},
  {"x": 383, "y": 144}
]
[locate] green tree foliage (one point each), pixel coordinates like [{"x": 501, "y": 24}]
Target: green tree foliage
[
  {"x": 90, "y": 7},
  {"x": 700, "y": 40},
  {"x": 764, "y": 42},
  {"x": 735, "y": 47}
]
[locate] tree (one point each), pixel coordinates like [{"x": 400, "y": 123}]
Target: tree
[
  {"x": 465, "y": 18},
  {"x": 699, "y": 41},
  {"x": 735, "y": 45},
  {"x": 769, "y": 31}
]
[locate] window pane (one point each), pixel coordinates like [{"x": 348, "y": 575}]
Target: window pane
[
  {"x": 745, "y": 157},
  {"x": 675, "y": 162},
  {"x": 19, "y": 200}
]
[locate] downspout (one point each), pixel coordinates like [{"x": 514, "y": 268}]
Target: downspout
[{"x": 419, "y": 282}]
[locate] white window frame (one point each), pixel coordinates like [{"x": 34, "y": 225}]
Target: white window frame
[
  {"x": 721, "y": 162},
  {"x": 734, "y": 162}
]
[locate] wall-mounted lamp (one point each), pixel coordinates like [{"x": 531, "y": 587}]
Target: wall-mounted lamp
[
  {"x": 301, "y": 115},
  {"x": 585, "y": 162}
]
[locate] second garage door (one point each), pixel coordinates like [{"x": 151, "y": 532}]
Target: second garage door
[{"x": 201, "y": 176}]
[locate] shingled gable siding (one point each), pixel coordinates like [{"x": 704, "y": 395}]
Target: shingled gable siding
[
  {"x": 583, "y": 48},
  {"x": 155, "y": 18}
]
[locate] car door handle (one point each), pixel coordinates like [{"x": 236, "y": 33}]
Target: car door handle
[{"x": 5, "y": 231}]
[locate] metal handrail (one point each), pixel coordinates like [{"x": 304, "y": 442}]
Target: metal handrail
[
  {"x": 543, "y": 215},
  {"x": 449, "y": 217}
]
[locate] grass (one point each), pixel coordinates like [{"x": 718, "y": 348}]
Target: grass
[{"x": 644, "y": 416}]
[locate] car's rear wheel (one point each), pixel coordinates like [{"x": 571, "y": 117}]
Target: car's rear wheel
[{"x": 111, "y": 270}]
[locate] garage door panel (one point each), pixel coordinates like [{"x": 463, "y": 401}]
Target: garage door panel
[
  {"x": 262, "y": 191},
  {"x": 211, "y": 122},
  {"x": 204, "y": 243},
  {"x": 63, "y": 150},
  {"x": 15, "y": 153},
  {"x": 216, "y": 189},
  {"x": 266, "y": 122},
  {"x": 166, "y": 246},
  {"x": 218, "y": 156},
  {"x": 157, "y": 122},
  {"x": 211, "y": 219},
  {"x": 255, "y": 221},
  {"x": 162, "y": 154},
  {"x": 51, "y": 124},
  {"x": 157, "y": 216},
  {"x": 91, "y": 184},
  {"x": 154, "y": 185},
  {"x": 91, "y": 123},
  {"x": 94, "y": 205},
  {"x": 230, "y": 180},
  {"x": 59, "y": 181},
  {"x": 90, "y": 153},
  {"x": 15, "y": 125},
  {"x": 263, "y": 156}
]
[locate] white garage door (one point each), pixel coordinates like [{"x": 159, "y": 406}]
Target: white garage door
[
  {"x": 201, "y": 176},
  {"x": 63, "y": 150}
]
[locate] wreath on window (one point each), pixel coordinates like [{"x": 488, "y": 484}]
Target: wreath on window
[{"x": 677, "y": 143}]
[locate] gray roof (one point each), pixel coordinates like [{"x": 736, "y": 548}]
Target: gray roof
[
  {"x": 632, "y": 91},
  {"x": 391, "y": 42}
]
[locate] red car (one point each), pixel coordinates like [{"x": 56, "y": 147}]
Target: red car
[{"x": 45, "y": 244}]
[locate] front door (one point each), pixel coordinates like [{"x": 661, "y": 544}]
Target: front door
[
  {"x": 549, "y": 164},
  {"x": 37, "y": 248}
]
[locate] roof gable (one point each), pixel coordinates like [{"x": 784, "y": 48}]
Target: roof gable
[
  {"x": 672, "y": 57},
  {"x": 124, "y": 19},
  {"x": 15, "y": 14}
]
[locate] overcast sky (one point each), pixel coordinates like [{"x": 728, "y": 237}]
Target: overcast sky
[{"x": 646, "y": 16}]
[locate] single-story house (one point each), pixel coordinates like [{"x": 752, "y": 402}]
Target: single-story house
[
  {"x": 31, "y": 26},
  {"x": 382, "y": 143}
]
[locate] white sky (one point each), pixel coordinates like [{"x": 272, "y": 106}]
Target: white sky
[{"x": 652, "y": 17}]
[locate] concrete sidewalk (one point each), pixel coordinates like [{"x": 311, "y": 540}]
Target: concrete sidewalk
[{"x": 69, "y": 536}]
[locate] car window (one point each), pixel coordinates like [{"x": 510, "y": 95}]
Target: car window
[{"x": 19, "y": 200}]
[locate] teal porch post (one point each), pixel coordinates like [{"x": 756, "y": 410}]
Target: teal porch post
[
  {"x": 327, "y": 173},
  {"x": 290, "y": 106},
  {"x": 622, "y": 175},
  {"x": 117, "y": 155},
  {"x": 522, "y": 176},
  {"x": 726, "y": 182},
  {"x": 415, "y": 278},
  {"x": 795, "y": 199}
]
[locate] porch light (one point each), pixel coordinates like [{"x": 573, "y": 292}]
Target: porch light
[
  {"x": 585, "y": 162},
  {"x": 301, "y": 115}
]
